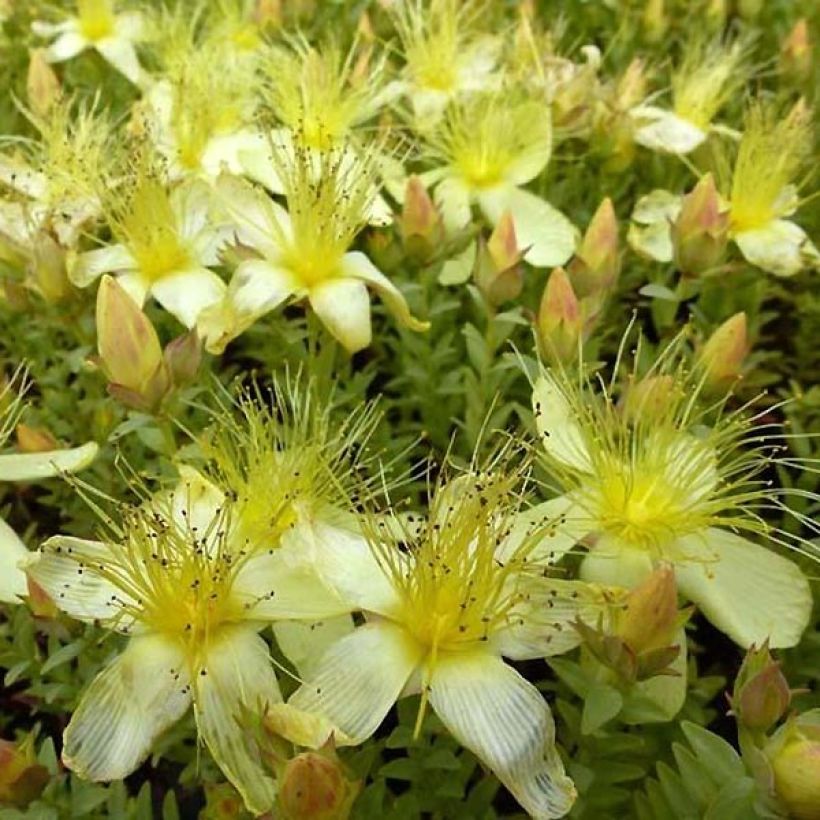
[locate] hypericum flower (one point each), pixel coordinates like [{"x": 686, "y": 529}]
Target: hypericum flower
[
  {"x": 708, "y": 77},
  {"x": 445, "y": 57},
  {"x": 27, "y": 467},
  {"x": 166, "y": 243},
  {"x": 466, "y": 588},
  {"x": 57, "y": 176},
  {"x": 99, "y": 26},
  {"x": 653, "y": 479},
  {"x": 305, "y": 251},
  {"x": 487, "y": 148}
]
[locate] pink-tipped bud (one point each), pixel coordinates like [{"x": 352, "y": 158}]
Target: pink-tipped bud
[
  {"x": 632, "y": 85},
  {"x": 22, "y": 778},
  {"x": 183, "y": 356},
  {"x": 43, "y": 87},
  {"x": 597, "y": 264},
  {"x": 701, "y": 231},
  {"x": 796, "y": 52},
  {"x": 651, "y": 618},
  {"x": 559, "y": 321},
  {"x": 129, "y": 349},
  {"x": 315, "y": 786},
  {"x": 35, "y": 439},
  {"x": 761, "y": 693},
  {"x": 421, "y": 225},
  {"x": 498, "y": 273},
  {"x": 724, "y": 353},
  {"x": 40, "y": 602}
]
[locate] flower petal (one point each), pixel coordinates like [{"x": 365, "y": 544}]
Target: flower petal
[
  {"x": 259, "y": 286},
  {"x": 650, "y": 233},
  {"x": 343, "y": 305},
  {"x": 120, "y": 53},
  {"x": 69, "y": 44},
  {"x": 358, "y": 266},
  {"x": 747, "y": 591},
  {"x": 780, "y": 247},
  {"x": 91, "y": 265},
  {"x": 37, "y": 466},
  {"x": 260, "y": 223},
  {"x": 560, "y": 436},
  {"x": 502, "y": 718},
  {"x": 453, "y": 200},
  {"x": 360, "y": 678},
  {"x": 227, "y": 152},
  {"x": 665, "y": 131},
  {"x": 547, "y": 234},
  {"x": 68, "y": 570},
  {"x": 614, "y": 563},
  {"x": 237, "y": 676},
  {"x": 126, "y": 707},
  {"x": 304, "y": 642},
  {"x": 12, "y": 579},
  {"x": 187, "y": 293}
]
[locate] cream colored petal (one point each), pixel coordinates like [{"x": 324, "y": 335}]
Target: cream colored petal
[
  {"x": 428, "y": 105},
  {"x": 358, "y": 266},
  {"x": 665, "y": 131},
  {"x": 191, "y": 204},
  {"x": 649, "y": 233},
  {"x": 259, "y": 222},
  {"x": 453, "y": 200},
  {"x": 530, "y": 164},
  {"x": 88, "y": 266},
  {"x": 67, "y": 45},
  {"x": 127, "y": 706},
  {"x": 120, "y": 52},
  {"x": 360, "y": 678},
  {"x": 227, "y": 152},
  {"x": 12, "y": 578},
  {"x": 135, "y": 285},
  {"x": 22, "y": 178},
  {"x": 747, "y": 591},
  {"x": 343, "y": 305},
  {"x": 37, "y": 466},
  {"x": 547, "y": 234},
  {"x": 780, "y": 247},
  {"x": 187, "y": 293},
  {"x": 505, "y": 721},
  {"x": 130, "y": 25},
  {"x": 560, "y": 434},
  {"x": 237, "y": 678},
  {"x": 194, "y": 506},
  {"x": 259, "y": 286},
  {"x": 304, "y": 642},
  {"x": 614, "y": 563},
  {"x": 68, "y": 570},
  {"x": 45, "y": 29}
]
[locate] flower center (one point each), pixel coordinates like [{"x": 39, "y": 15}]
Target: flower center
[{"x": 96, "y": 19}]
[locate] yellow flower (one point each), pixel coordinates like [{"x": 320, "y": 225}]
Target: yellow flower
[
  {"x": 98, "y": 26},
  {"x": 653, "y": 480},
  {"x": 304, "y": 252},
  {"x": 467, "y": 587}
]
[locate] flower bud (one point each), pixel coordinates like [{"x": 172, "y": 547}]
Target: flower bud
[
  {"x": 314, "y": 786},
  {"x": 35, "y": 439},
  {"x": 47, "y": 269},
  {"x": 267, "y": 13},
  {"x": 559, "y": 321},
  {"x": 421, "y": 225},
  {"x": 749, "y": 9},
  {"x": 183, "y": 357},
  {"x": 42, "y": 86},
  {"x": 651, "y": 616},
  {"x": 597, "y": 264},
  {"x": 22, "y": 778},
  {"x": 761, "y": 693},
  {"x": 716, "y": 12},
  {"x": 723, "y": 354},
  {"x": 701, "y": 231},
  {"x": 222, "y": 802},
  {"x": 655, "y": 20},
  {"x": 650, "y": 397},
  {"x": 40, "y": 602},
  {"x": 796, "y": 52},
  {"x": 497, "y": 268},
  {"x": 796, "y": 768},
  {"x": 129, "y": 349}
]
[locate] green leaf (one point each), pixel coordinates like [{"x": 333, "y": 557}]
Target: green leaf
[
  {"x": 63, "y": 655},
  {"x": 655, "y": 291},
  {"x": 720, "y": 759},
  {"x": 601, "y": 705}
]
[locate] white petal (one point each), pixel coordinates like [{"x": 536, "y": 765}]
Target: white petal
[
  {"x": 504, "y": 720},
  {"x": 126, "y": 707},
  {"x": 228, "y": 152},
  {"x": 37, "y": 466},
  {"x": 259, "y": 286},
  {"x": 68, "y": 570},
  {"x": 121, "y": 54},
  {"x": 358, "y": 266},
  {"x": 12, "y": 579},
  {"x": 90, "y": 265},
  {"x": 130, "y": 25},
  {"x": 613, "y": 563},
  {"x": 238, "y": 677},
  {"x": 135, "y": 285},
  {"x": 257, "y": 164},
  {"x": 453, "y": 199},
  {"x": 67, "y": 45},
  {"x": 428, "y": 105},
  {"x": 650, "y": 232},
  {"x": 190, "y": 203},
  {"x": 260, "y": 223},
  {"x": 304, "y": 642},
  {"x": 779, "y": 247},
  {"x": 560, "y": 434},
  {"x": 359, "y": 678},
  {"x": 44, "y": 29},
  {"x": 747, "y": 591},
  {"x": 187, "y": 293},
  {"x": 343, "y": 305},
  {"x": 22, "y": 178},
  {"x": 665, "y": 131},
  {"x": 549, "y": 235},
  {"x": 529, "y": 165}
]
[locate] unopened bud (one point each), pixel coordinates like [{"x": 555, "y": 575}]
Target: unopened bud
[
  {"x": 701, "y": 231},
  {"x": 724, "y": 353},
  {"x": 42, "y": 85},
  {"x": 421, "y": 225},
  {"x": 650, "y": 397},
  {"x": 35, "y": 439},
  {"x": 47, "y": 269},
  {"x": 183, "y": 357},
  {"x": 314, "y": 786},
  {"x": 796, "y": 52},
  {"x": 39, "y": 601},
  {"x": 268, "y": 13},
  {"x": 796, "y": 768},
  {"x": 498, "y": 270},
  {"x": 129, "y": 349},
  {"x": 597, "y": 264},
  {"x": 559, "y": 321},
  {"x": 761, "y": 693},
  {"x": 22, "y": 778},
  {"x": 651, "y": 618},
  {"x": 222, "y": 802},
  {"x": 631, "y": 87},
  {"x": 655, "y": 20}
]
